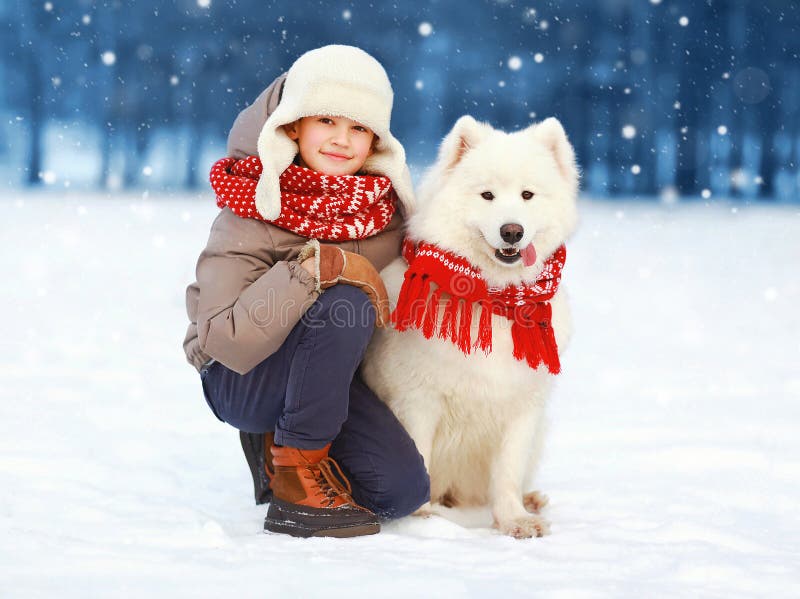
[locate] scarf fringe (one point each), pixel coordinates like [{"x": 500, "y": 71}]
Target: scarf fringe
[
  {"x": 431, "y": 313},
  {"x": 464, "y": 326},
  {"x": 449, "y": 319},
  {"x": 533, "y": 340},
  {"x": 421, "y": 306},
  {"x": 484, "y": 342},
  {"x": 553, "y": 361},
  {"x": 401, "y": 317}
]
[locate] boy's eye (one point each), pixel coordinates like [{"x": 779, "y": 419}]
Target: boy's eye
[
  {"x": 527, "y": 195},
  {"x": 360, "y": 128},
  {"x": 487, "y": 195},
  {"x": 326, "y": 120}
]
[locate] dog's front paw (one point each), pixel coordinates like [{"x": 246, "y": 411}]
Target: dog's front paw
[
  {"x": 525, "y": 527},
  {"x": 424, "y": 511},
  {"x": 535, "y": 501}
]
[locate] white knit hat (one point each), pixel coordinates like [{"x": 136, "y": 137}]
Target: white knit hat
[{"x": 335, "y": 81}]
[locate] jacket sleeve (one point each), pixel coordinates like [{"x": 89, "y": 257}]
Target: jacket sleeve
[{"x": 248, "y": 302}]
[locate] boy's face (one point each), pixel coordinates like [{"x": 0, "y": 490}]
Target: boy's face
[{"x": 332, "y": 145}]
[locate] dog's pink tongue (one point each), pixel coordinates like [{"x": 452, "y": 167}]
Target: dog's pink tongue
[{"x": 528, "y": 255}]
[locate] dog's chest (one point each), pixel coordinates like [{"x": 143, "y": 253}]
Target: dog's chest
[
  {"x": 441, "y": 365},
  {"x": 497, "y": 377}
]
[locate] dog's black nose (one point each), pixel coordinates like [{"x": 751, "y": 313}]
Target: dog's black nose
[{"x": 511, "y": 233}]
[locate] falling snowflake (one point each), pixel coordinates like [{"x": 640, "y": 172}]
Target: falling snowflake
[
  {"x": 722, "y": 130},
  {"x": 419, "y": 84},
  {"x": 706, "y": 193},
  {"x": 683, "y": 21},
  {"x": 203, "y": 3},
  {"x": 636, "y": 169},
  {"x": 538, "y": 57},
  {"x": 629, "y": 132},
  {"x": 346, "y": 15},
  {"x": 515, "y": 63},
  {"x": 108, "y": 58},
  {"x": 425, "y": 29},
  {"x": 738, "y": 178}
]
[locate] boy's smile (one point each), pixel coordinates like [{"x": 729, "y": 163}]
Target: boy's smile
[
  {"x": 335, "y": 156},
  {"x": 331, "y": 145}
]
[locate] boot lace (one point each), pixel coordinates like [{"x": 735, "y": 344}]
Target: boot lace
[{"x": 331, "y": 481}]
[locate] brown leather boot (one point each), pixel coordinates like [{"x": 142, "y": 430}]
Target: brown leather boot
[{"x": 311, "y": 497}]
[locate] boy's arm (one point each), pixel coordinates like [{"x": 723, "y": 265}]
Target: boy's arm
[{"x": 248, "y": 302}]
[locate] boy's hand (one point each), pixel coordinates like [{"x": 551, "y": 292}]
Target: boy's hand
[{"x": 338, "y": 266}]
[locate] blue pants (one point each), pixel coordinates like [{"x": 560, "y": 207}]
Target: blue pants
[{"x": 310, "y": 394}]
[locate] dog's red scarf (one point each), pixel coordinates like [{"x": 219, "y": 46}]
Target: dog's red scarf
[
  {"x": 314, "y": 205},
  {"x": 527, "y": 306}
]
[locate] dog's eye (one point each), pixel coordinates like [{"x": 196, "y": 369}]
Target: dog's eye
[
  {"x": 527, "y": 195},
  {"x": 487, "y": 195}
]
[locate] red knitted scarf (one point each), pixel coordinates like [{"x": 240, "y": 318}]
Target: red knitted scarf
[
  {"x": 314, "y": 205},
  {"x": 527, "y": 306}
]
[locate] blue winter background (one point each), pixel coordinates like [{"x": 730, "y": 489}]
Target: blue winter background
[{"x": 672, "y": 461}]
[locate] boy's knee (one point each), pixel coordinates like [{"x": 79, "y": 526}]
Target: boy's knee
[
  {"x": 343, "y": 307},
  {"x": 402, "y": 491}
]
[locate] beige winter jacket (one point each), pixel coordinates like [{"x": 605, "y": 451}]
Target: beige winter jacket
[{"x": 250, "y": 290}]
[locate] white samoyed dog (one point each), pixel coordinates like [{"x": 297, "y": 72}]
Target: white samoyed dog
[{"x": 505, "y": 202}]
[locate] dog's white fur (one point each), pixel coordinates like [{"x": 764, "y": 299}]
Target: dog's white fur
[{"x": 477, "y": 420}]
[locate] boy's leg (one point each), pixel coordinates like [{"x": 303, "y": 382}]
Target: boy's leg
[
  {"x": 303, "y": 392},
  {"x": 385, "y": 469},
  {"x": 338, "y": 330}
]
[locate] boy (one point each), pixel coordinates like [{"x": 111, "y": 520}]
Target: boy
[{"x": 280, "y": 321}]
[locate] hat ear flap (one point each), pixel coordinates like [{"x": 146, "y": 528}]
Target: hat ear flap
[
  {"x": 276, "y": 151},
  {"x": 465, "y": 135}
]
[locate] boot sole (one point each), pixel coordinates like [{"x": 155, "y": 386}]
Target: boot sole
[
  {"x": 298, "y": 530},
  {"x": 284, "y": 518}
]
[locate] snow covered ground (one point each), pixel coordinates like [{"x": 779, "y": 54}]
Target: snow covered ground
[{"x": 673, "y": 461}]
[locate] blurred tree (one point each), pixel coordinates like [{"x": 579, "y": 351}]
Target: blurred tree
[{"x": 653, "y": 94}]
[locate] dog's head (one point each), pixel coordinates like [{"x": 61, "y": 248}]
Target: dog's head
[{"x": 504, "y": 201}]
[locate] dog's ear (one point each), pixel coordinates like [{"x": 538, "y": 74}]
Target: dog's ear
[
  {"x": 465, "y": 135},
  {"x": 550, "y": 133}
]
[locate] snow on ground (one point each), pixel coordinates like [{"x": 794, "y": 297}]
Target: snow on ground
[{"x": 673, "y": 461}]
